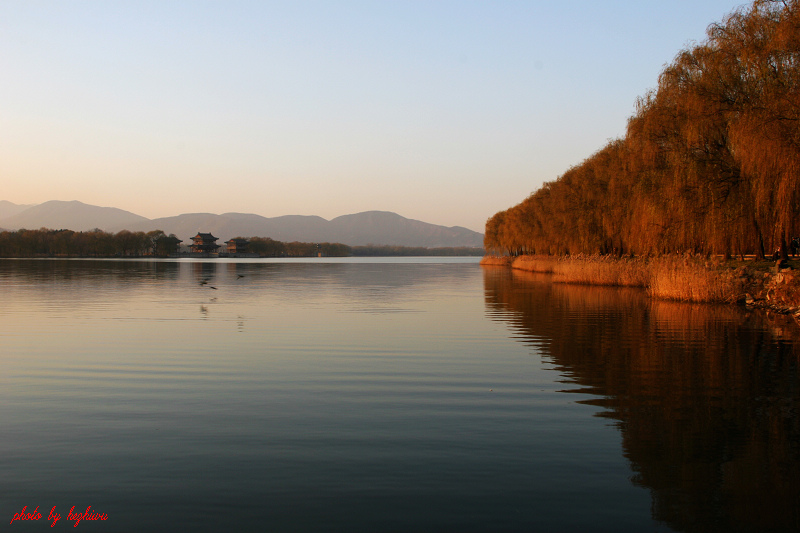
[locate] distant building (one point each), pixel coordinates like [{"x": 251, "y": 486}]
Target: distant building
[
  {"x": 237, "y": 246},
  {"x": 204, "y": 243}
]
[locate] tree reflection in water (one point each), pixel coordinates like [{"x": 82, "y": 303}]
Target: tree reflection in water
[{"x": 706, "y": 397}]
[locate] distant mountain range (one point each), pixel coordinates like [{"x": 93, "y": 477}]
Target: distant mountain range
[{"x": 370, "y": 227}]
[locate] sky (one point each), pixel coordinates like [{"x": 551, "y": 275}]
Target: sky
[{"x": 441, "y": 111}]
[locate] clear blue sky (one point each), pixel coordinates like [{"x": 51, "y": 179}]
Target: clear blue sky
[{"x": 443, "y": 111}]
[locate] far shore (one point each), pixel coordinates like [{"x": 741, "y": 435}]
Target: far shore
[{"x": 758, "y": 284}]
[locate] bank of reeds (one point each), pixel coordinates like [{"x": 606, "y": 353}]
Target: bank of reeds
[
  {"x": 683, "y": 278},
  {"x": 675, "y": 278},
  {"x": 589, "y": 270},
  {"x": 496, "y": 260}
]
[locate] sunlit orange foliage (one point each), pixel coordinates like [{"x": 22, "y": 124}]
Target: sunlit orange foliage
[{"x": 710, "y": 162}]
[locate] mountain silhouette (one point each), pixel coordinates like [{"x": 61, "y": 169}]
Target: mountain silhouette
[
  {"x": 73, "y": 215},
  {"x": 7, "y": 209}
]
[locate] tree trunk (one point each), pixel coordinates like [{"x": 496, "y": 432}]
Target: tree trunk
[{"x": 784, "y": 247}]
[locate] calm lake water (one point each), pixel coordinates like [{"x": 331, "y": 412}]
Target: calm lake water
[{"x": 386, "y": 395}]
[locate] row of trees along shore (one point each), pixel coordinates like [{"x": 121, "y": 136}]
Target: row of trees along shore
[
  {"x": 97, "y": 243},
  {"x": 710, "y": 162}
]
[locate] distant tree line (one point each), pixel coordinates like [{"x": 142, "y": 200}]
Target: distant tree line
[
  {"x": 266, "y": 247},
  {"x": 710, "y": 162},
  {"x": 389, "y": 251},
  {"x": 97, "y": 243}
]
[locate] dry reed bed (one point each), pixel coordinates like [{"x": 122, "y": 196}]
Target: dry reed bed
[
  {"x": 495, "y": 260},
  {"x": 588, "y": 270},
  {"x": 670, "y": 277}
]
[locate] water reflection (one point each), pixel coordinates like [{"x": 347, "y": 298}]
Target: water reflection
[
  {"x": 706, "y": 397},
  {"x": 119, "y": 273},
  {"x": 376, "y": 397},
  {"x": 369, "y": 287}
]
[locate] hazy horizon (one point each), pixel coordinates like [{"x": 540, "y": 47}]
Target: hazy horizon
[{"x": 444, "y": 112}]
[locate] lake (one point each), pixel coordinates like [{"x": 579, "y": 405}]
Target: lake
[{"x": 378, "y": 395}]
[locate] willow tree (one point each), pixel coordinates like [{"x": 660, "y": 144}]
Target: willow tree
[
  {"x": 710, "y": 161},
  {"x": 761, "y": 46}
]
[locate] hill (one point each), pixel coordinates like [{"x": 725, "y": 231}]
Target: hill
[
  {"x": 73, "y": 215},
  {"x": 370, "y": 227},
  {"x": 7, "y": 209},
  {"x": 382, "y": 227}
]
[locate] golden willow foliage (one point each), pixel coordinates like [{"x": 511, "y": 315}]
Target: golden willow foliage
[{"x": 710, "y": 162}]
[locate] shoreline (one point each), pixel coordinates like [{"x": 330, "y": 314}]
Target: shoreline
[{"x": 754, "y": 284}]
